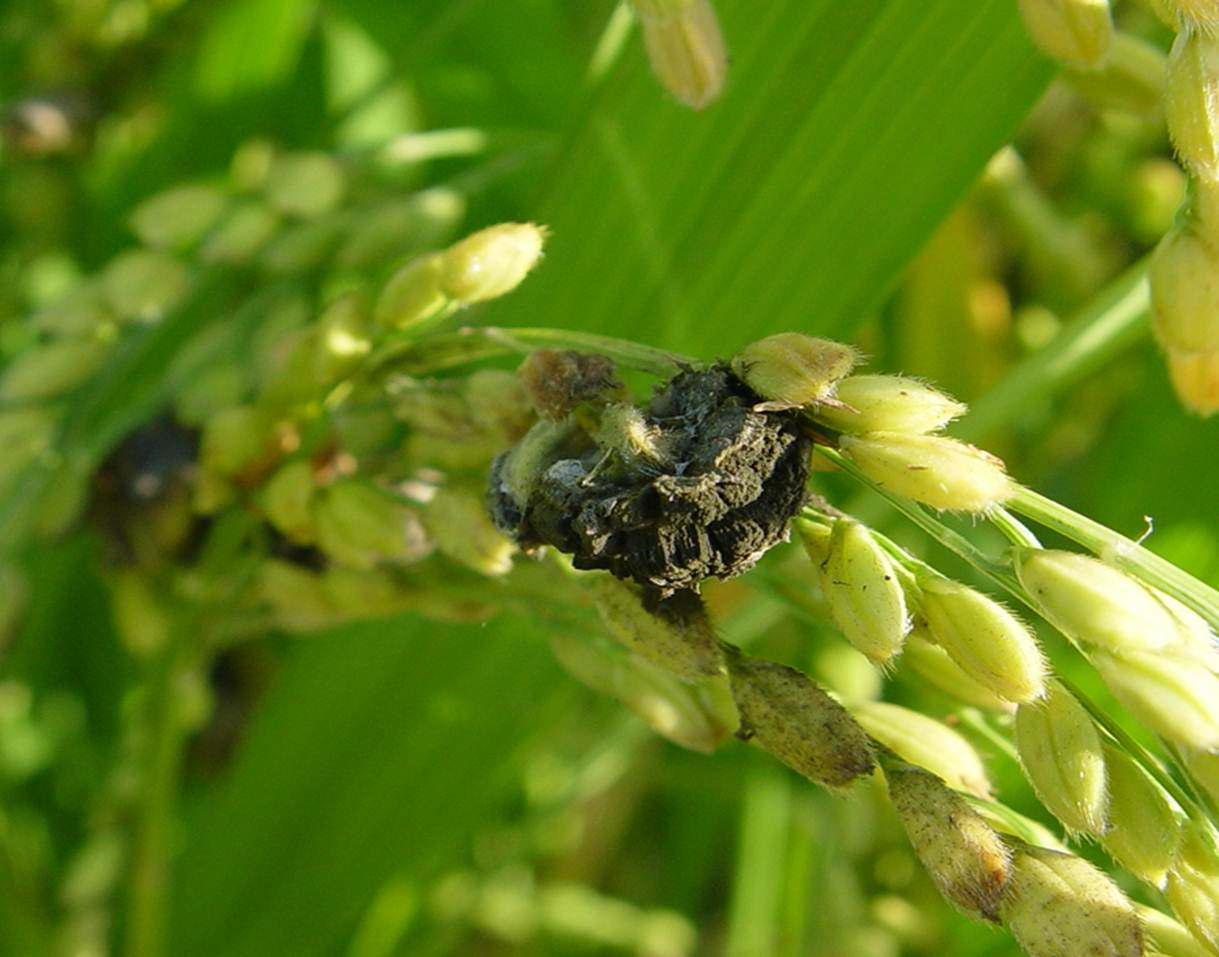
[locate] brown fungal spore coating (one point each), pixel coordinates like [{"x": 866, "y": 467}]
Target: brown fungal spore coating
[
  {"x": 720, "y": 493},
  {"x": 965, "y": 857},
  {"x": 787, "y": 714},
  {"x": 558, "y": 381}
]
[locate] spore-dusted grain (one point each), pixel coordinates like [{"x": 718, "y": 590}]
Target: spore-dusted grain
[{"x": 716, "y": 491}]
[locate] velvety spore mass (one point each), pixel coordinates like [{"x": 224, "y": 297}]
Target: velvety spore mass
[{"x": 717, "y": 491}]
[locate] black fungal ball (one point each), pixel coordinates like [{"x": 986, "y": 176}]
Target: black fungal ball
[{"x": 715, "y": 494}]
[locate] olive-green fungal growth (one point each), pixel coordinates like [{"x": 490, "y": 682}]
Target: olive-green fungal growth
[
  {"x": 673, "y": 633},
  {"x": 865, "y": 595},
  {"x": 1064, "y": 759},
  {"x": 933, "y": 469},
  {"x": 965, "y": 856},
  {"x": 787, "y": 714},
  {"x": 987, "y": 641},
  {"x": 889, "y": 403},
  {"x": 925, "y": 743},
  {"x": 699, "y": 484},
  {"x": 1144, "y": 825},
  {"x": 1059, "y": 905},
  {"x": 793, "y": 370}
]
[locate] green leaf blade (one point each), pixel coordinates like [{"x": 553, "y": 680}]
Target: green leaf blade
[
  {"x": 846, "y": 134},
  {"x": 379, "y": 749}
]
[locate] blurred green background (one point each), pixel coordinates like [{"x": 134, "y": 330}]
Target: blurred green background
[{"x": 407, "y": 787}]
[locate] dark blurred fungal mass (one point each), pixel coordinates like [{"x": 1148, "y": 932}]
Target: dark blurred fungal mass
[
  {"x": 697, "y": 484},
  {"x": 558, "y": 380}
]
